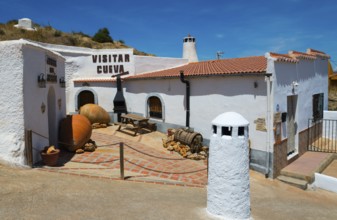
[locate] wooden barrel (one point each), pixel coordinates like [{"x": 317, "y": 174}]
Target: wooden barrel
[
  {"x": 192, "y": 139},
  {"x": 74, "y": 132}
]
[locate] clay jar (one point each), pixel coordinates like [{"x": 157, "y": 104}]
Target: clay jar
[
  {"x": 95, "y": 113},
  {"x": 74, "y": 132},
  {"x": 51, "y": 158}
]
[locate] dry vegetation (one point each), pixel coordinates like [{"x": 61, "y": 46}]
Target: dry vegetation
[
  {"x": 332, "y": 100},
  {"x": 48, "y": 34}
]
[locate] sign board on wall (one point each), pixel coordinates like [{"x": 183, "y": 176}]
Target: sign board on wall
[
  {"x": 110, "y": 63},
  {"x": 107, "y": 63}
]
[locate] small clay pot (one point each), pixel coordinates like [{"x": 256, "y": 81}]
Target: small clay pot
[{"x": 51, "y": 158}]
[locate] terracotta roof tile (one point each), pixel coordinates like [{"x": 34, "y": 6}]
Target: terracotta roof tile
[
  {"x": 246, "y": 65},
  {"x": 283, "y": 57},
  {"x": 300, "y": 55},
  {"x": 317, "y": 53},
  {"x": 79, "y": 80}
]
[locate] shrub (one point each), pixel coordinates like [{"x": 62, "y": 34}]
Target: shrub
[
  {"x": 2, "y": 32},
  {"x": 102, "y": 36}
]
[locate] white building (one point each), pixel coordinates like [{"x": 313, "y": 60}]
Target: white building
[
  {"x": 26, "y": 103},
  {"x": 26, "y": 24},
  {"x": 274, "y": 92}
]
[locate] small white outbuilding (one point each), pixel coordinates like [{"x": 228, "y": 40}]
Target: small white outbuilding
[
  {"x": 25, "y": 23},
  {"x": 32, "y": 99}
]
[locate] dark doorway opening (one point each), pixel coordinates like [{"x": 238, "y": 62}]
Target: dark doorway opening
[{"x": 85, "y": 97}]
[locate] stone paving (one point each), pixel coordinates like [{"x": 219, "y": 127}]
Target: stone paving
[
  {"x": 307, "y": 165},
  {"x": 144, "y": 161}
]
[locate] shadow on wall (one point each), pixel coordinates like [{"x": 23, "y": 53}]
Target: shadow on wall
[{"x": 222, "y": 85}]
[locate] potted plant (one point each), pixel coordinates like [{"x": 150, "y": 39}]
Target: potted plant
[{"x": 50, "y": 155}]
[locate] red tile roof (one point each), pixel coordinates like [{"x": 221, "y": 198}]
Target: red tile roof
[
  {"x": 300, "y": 55},
  {"x": 294, "y": 56},
  {"x": 283, "y": 57},
  {"x": 317, "y": 53},
  {"x": 246, "y": 65},
  {"x": 79, "y": 80}
]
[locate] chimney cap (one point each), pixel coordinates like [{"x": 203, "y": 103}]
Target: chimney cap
[{"x": 230, "y": 119}]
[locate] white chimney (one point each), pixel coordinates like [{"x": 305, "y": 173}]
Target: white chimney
[
  {"x": 189, "y": 49},
  {"x": 228, "y": 190}
]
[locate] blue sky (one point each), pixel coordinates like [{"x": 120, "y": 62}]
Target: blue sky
[{"x": 239, "y": 28}]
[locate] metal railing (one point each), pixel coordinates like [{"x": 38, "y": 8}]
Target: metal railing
[{"x": 322, "y": 135}]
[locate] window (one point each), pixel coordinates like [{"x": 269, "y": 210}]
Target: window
[
  {"x": 227, "y": 131},
  {"x": 155, "y": 107},
  {"x": 241, "y": 131},
  {"x": 317, "y": 106},
  {"x": 214, "y": 129}
]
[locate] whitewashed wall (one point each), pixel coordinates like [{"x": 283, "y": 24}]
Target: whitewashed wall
[
  {"x": 104, "y": 93},
  {"x": 12, "y": 140},
  {"x": 80, "y": 65},
  {"x": 145, "y": 64},
  {"x": 311, "y": 77},
  {"x": 35, "y": 120},
  {"x": 20, "y": 64},
  {"x": 210, "y": 96}
]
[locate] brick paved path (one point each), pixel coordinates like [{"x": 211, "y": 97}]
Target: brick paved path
[{"x": 150, "y": 163}]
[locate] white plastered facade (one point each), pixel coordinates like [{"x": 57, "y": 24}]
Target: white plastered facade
[{"x": 20, "y": 65}]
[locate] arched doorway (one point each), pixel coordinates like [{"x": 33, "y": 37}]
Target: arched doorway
[
  {"x": 52, "y": 129},
  {"x": 155, "y": 107},
  {"x": 85, "y": 97}
]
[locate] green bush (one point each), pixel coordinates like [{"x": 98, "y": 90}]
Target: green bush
[
  {"x": 2, "y": 32},
  {"x": 102, "y": 36}
]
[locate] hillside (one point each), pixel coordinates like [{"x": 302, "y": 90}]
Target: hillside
[{"x": 48, "y": 34}]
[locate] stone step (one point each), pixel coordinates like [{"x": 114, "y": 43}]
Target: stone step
[
  {"x": 299, "y": 183},
  {"x": 297, "y": 175}
]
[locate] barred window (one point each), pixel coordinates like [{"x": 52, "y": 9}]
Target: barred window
[
  {"x": 155, "y": 107},
  {"x": 317, "y": 106}
]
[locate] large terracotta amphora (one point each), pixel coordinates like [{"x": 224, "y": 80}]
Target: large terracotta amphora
[
  {"x": 95, "y": 113},
  {"x": 74, "y": 132}
]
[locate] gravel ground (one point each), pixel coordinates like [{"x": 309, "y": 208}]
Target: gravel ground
[{"x": 35, "y": 194}]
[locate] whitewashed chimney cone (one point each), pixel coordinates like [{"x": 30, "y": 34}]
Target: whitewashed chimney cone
[
  {"x": 228, "y": 193},
  {"x": 189, "y": 49}
]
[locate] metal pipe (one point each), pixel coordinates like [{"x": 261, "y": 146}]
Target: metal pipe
[
  {"x": 182, "y": 79},
  {"x": 268, "y": 122}
]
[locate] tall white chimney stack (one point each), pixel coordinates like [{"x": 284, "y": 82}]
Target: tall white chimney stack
[{"x": 189, "y": 49}]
